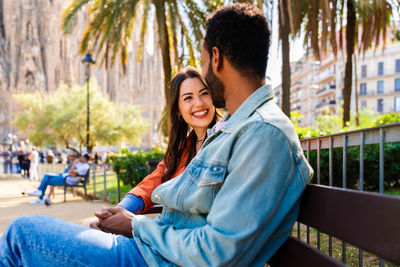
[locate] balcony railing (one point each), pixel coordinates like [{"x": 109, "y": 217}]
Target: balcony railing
[
  {"x": 376, "y": 93},
  {"x": 326, "y": 103}
]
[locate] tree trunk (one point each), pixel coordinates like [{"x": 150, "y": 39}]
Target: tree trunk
[
  {"x": 164, "y": 44},
  {"x": 348, "y": 76},
  {"x": 355, "y": 90},
  {"x": 284, "y": 31}
]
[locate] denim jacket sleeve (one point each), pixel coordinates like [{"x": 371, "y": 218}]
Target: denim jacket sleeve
[{"x": 261, "y": 187}]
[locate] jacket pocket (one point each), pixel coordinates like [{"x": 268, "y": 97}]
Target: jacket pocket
[{"x": 206, "y": 173}]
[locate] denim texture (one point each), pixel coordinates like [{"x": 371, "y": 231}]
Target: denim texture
[
  {"x": 7, "y": 166},
  {"x": 50, "y": 179},
  {"x": 237, "y": 200},
  {"x": 132, "y": 203},
  {"x": 44, "y": 241}
]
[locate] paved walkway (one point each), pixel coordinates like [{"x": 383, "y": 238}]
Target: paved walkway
[{"x": 13, "y": 204}]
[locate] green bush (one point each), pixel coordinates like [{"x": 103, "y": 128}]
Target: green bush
[
  {"x": 327, "y": 123},
  {"x": 331, "y": 123},
  {"x": 132, "y": 167},
  {"x": 371, "y": 166}
]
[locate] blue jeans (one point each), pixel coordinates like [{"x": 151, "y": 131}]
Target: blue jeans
[
  {"x": 6, "y": 166},
  {"x": 46, "y": 241},
  {"x": 50, "y": 179}
]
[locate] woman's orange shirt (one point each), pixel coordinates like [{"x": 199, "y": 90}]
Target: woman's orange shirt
[{"x": 145, "y": 188}]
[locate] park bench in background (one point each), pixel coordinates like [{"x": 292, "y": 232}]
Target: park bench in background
[
  {"x": 82, "y": 183},
  {"x": 369, "y": 221}
]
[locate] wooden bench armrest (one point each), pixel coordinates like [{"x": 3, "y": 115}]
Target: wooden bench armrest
[{"x": 154, "y": 209}]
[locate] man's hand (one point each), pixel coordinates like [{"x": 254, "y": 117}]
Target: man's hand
[
  {"x": 101, "y": 215},
  {"x": 116, "y": 220}
]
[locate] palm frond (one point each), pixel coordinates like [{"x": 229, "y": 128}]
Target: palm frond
[
  {"x": 173, "y": 13},
  {"x": 332, "y": 25},
  {"x": 189, "y": 44},
  {"x": 143, "y": 29},
  {"x": 69, "y": 15},
  {"x": 196, "y": 20},
  {"x": 374, "y": 18},
  {"x": 212, "y": 5},
  {"x": 297, "y": 15}
]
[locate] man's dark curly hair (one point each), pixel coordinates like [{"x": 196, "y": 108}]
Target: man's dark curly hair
[{"x": 242, "y": 35}]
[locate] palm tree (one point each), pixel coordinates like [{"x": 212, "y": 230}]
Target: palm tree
[
  {"x": 284, "y": 33},
  {"x": 111, "y": 23},
  {"x": 348, "y": 72}
]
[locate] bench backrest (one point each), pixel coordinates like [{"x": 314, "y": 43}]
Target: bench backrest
[
  {"x": 87, "y": 176},
  {"x": 367, "y": 220}
]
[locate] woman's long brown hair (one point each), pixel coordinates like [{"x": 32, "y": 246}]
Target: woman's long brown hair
[{"x": 177, "y": 127}]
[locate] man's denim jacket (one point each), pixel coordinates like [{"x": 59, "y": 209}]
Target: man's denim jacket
[{"x": 237, "y": 200}]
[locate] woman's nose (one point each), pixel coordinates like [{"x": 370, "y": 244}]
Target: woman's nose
[{"x": 198, "y": 101}]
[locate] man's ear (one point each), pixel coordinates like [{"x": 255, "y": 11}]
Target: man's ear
[{"x": 216, "y": 59}]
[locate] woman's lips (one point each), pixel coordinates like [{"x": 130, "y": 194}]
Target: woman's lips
[{"x": 201, "y": 114}]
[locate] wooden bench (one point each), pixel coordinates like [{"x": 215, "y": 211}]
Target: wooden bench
[
  {"x": 82, "y": 183},
  {"x": 367, "y": 220}
]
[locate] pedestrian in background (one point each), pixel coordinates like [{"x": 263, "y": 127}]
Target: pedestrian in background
[
  {"x": 34, "y": 164},
  {"x": 7, "y": 163},
  {"x": 26, "y": 164}
]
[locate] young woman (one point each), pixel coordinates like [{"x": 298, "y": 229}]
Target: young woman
[{"x": 190, "y": 114}]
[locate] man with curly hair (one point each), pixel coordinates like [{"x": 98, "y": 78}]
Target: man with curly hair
[{"x": 237, "y": 200}]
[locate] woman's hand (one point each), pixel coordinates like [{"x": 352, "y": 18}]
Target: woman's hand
[{"x": 116, "y": 220}]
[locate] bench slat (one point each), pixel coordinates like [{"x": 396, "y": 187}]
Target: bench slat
[
  {"x": 296, "y": 253},
  {"x": 367, "y": 220},
  {"x": 154, "y": 209}
]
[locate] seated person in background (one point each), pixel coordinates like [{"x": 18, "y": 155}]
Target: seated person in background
[
  {"x": 191, "y": 108},
  {"x": 79, "y": 168},
  {"x": 70, "y": 161}
]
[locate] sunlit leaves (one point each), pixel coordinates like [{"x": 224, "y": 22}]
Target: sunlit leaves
[{"x": 59, "y": 118}]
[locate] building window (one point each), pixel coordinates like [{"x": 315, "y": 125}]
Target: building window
[
  {"x": 379, "y": 105},
  {"x": 363, "y": 104},
  {"x": 364, "y": 71},
  {"x": 380, "y": 68},
  {"x": 379, "y": 87},
  {"x": 398, "y": 65},
  {"x": 397, "y": 103},
  {"x": 363, "y": 89},
  {"x": 397, "y": 85}
]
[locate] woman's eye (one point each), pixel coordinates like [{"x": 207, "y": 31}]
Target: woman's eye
[
  {"x": 204, "y": 93},
  {"x": 187, "y": 98}
]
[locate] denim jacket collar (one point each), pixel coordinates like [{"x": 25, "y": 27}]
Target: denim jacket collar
[{"x": 259, "y": 97}]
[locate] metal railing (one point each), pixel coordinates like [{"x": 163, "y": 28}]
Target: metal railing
[
  {"x": 101, "y": 171},
  {"x": 44, "y": 168},
  {"x": 360, "y": 138}
]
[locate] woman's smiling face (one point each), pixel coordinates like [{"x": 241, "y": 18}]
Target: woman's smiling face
[{"x": 195, "y": 104}]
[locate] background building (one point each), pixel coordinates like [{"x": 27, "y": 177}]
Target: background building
[
  {"x": 378, "y": 76},
  {"x": 317, "y": 86}
]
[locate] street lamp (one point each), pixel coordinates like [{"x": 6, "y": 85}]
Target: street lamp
[{"x": 87, "y": 61}]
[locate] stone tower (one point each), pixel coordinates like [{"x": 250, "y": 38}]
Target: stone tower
[{"x": 36, "y": 56}]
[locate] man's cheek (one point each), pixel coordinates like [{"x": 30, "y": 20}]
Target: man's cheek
[{"x": 204, "y": 69}]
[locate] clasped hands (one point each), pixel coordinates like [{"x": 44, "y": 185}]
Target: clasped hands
[{"x": 116, "y": 220}]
